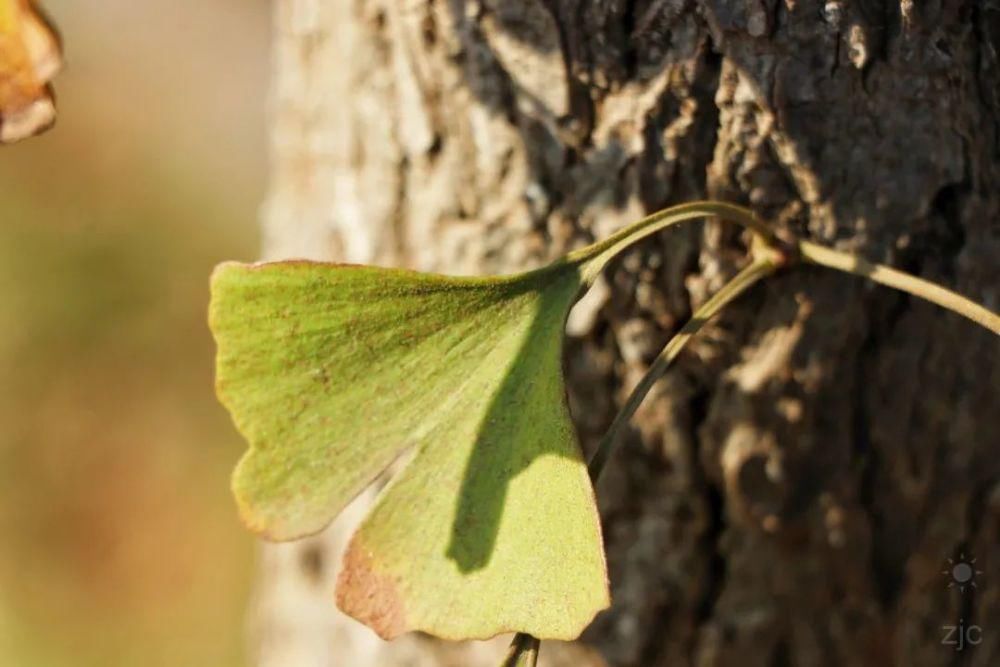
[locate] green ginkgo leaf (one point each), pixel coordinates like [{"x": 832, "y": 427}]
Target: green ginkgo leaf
[{"x": 332, "y": 372}]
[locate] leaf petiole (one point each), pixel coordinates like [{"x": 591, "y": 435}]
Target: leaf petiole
[
  {"x": 741, "y": 282},
  {"x": 593, "y": 258}
]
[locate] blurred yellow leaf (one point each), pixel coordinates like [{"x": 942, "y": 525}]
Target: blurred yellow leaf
[{"x": 30, "y": 56}]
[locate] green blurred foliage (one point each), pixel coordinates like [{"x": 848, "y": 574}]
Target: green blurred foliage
[{"x": 120, "y": 543}]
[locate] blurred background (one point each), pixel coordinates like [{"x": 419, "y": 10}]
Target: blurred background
[{"x": 119, "y": 544}]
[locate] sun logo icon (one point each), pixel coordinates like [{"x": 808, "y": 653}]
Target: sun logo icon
[{"x": 961, "y": 573}]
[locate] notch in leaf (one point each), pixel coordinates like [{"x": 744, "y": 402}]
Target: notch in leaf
[{"x": 332, "y": 372}]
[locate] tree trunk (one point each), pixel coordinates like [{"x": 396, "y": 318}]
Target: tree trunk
[{"x": 792, "y": 492}]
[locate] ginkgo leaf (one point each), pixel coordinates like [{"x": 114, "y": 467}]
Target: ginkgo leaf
[
  {"x": 332, "y": 372},
  {"x": 29, "y": 58}
]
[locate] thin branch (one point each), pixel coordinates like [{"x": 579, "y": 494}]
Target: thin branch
[{"x": 822, "y": 256}]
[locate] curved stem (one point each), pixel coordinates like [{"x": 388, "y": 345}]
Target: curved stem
[
  {"x": 758, "y": 269},
  {"x": 594, "y": 257},
  {"x": 822, "y": 256}
]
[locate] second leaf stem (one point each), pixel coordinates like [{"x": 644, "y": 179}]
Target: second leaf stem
[{"x": 741, "y": 282}]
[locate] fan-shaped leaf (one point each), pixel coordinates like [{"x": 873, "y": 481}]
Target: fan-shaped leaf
[{"x": 332, "y": 372}]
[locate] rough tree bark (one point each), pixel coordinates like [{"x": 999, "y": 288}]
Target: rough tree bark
[{"x": 792, "y": 492}]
